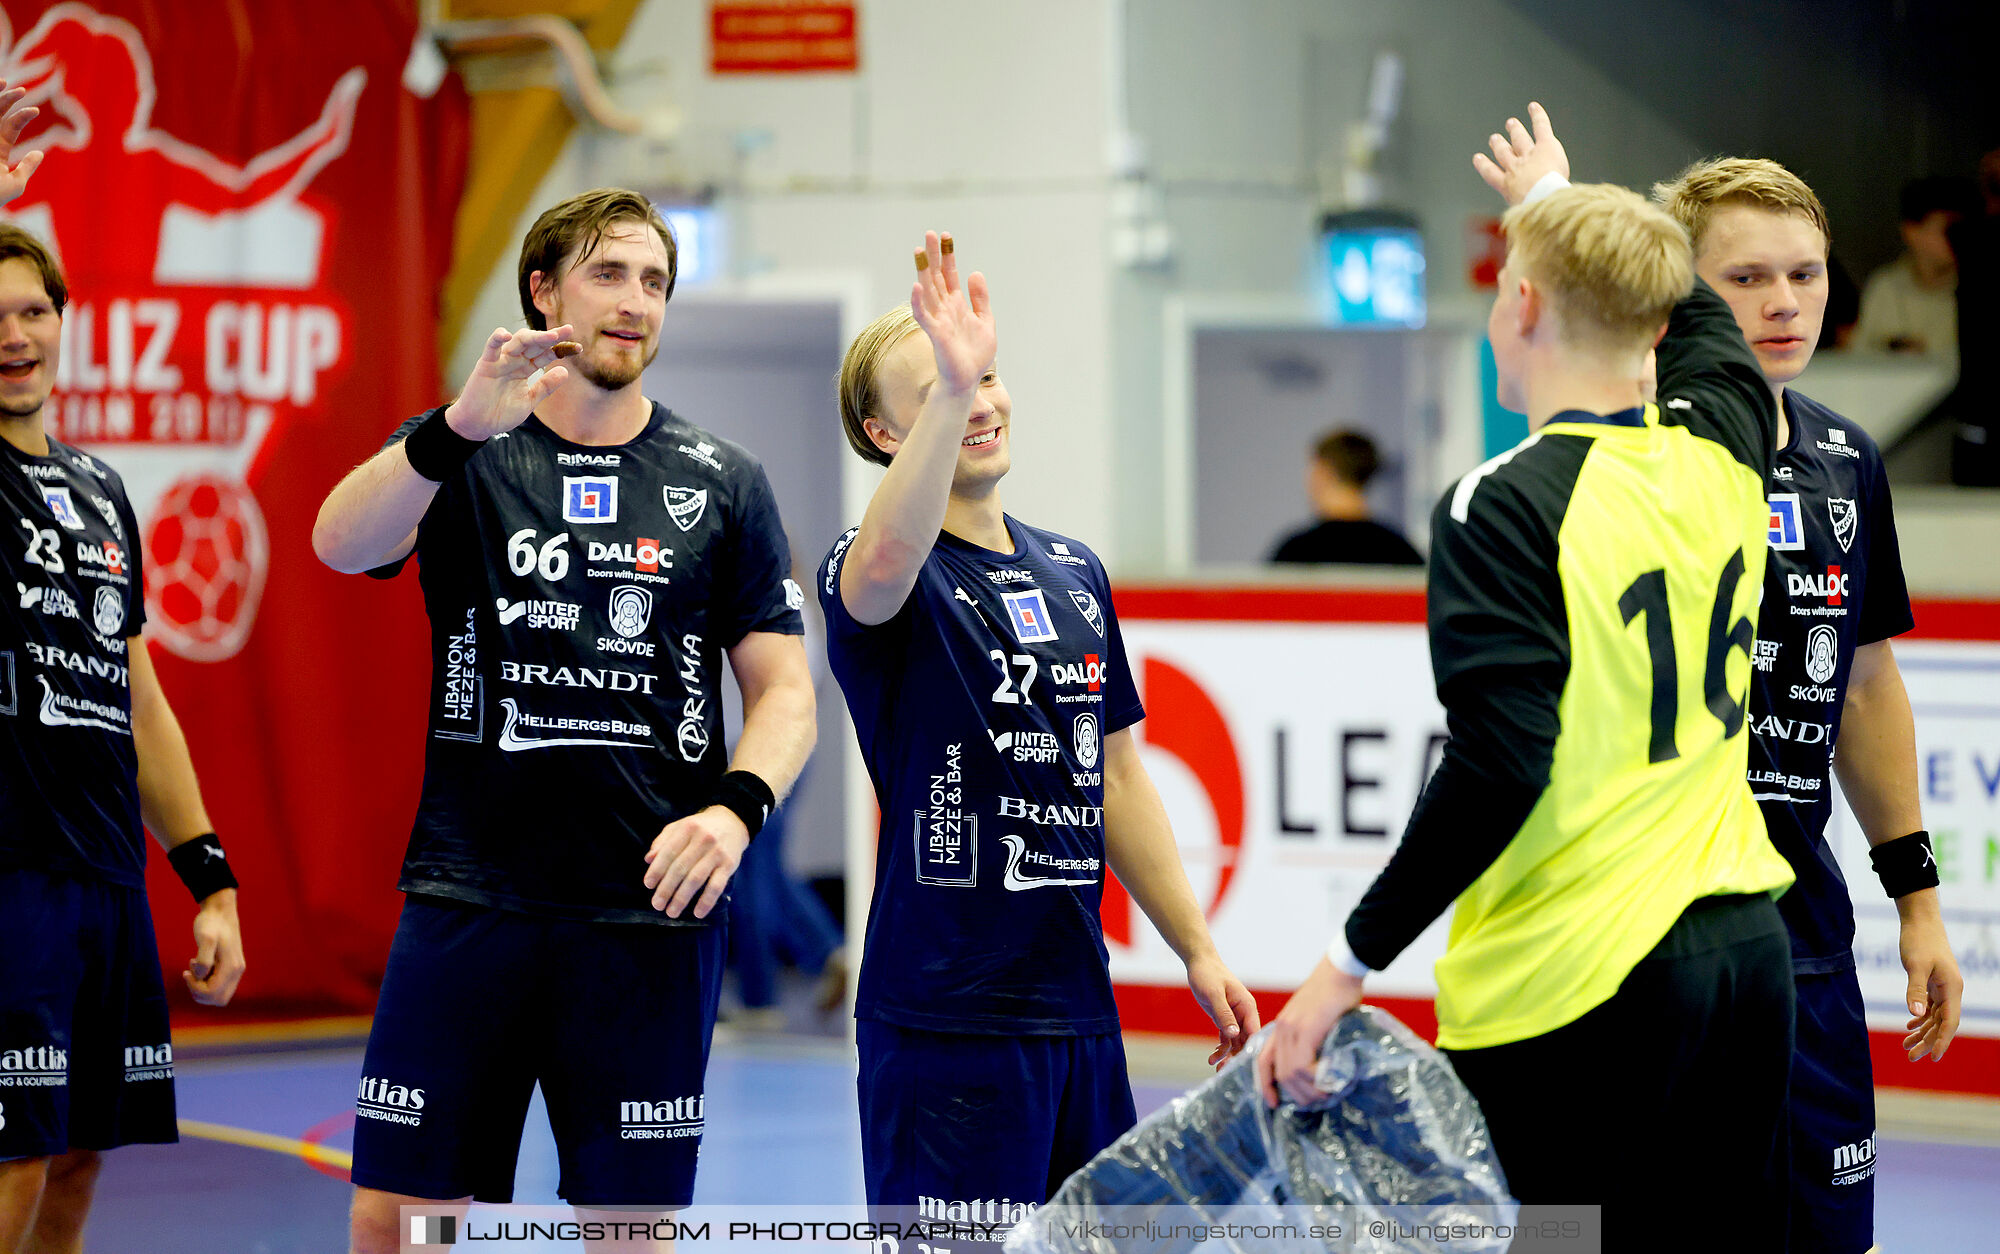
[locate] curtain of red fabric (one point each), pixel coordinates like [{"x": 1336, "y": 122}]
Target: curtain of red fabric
[{"x": 255, "y": 217}]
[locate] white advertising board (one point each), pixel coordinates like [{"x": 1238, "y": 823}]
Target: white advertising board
[{"x": 1289, "y": 755}]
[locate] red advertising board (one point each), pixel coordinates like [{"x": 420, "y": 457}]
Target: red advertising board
[
  {"x": 807, "y": 37},
  {"x": 255, "y": 218}
]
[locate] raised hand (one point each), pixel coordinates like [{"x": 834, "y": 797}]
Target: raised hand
[
  {"x": 504, "y": 387},
  {"x": 1520, "y": 159},
  {"x": 14, "y": 118},
  {"x": 960, "y": 325}
]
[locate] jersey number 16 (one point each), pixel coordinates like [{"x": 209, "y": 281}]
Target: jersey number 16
[{"x": 1648, "y": 596}]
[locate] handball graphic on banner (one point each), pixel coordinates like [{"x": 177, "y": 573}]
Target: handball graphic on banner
[{"x": 200, "y": 320}]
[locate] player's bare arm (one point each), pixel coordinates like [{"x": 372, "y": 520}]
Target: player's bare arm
[
  {"x": 698, "y": 854},
  {"x": 1139, "y": 845},
  {"x": 908, "y": 507},
  {"x": 370, "y": 518},
  {"x": 1876, "y": 760},
  {"x": 170, "y": 803}
]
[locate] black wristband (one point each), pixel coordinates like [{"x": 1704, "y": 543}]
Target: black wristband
[
  {"x": 435, "y": 450},
  {"x": 747, "y": 797},
  {"x": 1905, "y": 865},
  {"x": 202, "y": 866}
]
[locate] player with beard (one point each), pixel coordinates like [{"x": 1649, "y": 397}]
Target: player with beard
[
  {"x": 983, "y": 664},
  {"x": 587, "y": 560},
  {"x": 1825, "y": 684},
  {"x": 91, "y": 756}
]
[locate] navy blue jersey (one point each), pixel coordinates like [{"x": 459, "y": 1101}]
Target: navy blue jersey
[
  {"x": 70, "y": 597},
  {"x": 981, "y": 709},
  {"x": 1834, "y": 581},
  {"x": 580, "y": 599}
]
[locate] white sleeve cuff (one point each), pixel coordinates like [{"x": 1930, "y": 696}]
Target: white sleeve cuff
[
  {"x": 1548, "y": 183},
  {"x": 1343, "y": 958}
]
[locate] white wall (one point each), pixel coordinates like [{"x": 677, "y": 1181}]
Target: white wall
[
  {"x": 753, "y": 371},
  {"x": 1264, "y": 395},
  {"x": 983, "y": 120},
  {"x": 1242, "y": 117},
  {"x": 995, "y": 121}
]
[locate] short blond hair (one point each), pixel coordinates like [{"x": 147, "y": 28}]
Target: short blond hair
[
  {"x": 859, "y": 382},
  {"x": 1693, "y": 195},
  {"x": 1612, "y": 266}
]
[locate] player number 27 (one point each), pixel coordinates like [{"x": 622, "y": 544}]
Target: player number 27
[
  {"x": 1648, "y": 596},
  {"x": 1005, "y": 694}
]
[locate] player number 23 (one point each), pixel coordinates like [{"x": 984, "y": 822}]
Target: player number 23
[
  {"x": 1648, "y": 596},
  {"x": 44, "y": 550}
]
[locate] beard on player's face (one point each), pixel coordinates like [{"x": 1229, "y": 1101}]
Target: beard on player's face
[
  {"x": 613, "y": 369},
  {"x": 619, "y": 372}
]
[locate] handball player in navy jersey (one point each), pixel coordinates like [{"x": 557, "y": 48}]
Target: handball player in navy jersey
[
  {"x": 983, "y": 664},
  {"x": 91, "y": 756},
  {"x": 589, "y": 559},
  {"x": 1825, "y": 692}
]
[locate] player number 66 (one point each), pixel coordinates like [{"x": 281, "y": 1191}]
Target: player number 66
[{"x": 553, "y": 560}]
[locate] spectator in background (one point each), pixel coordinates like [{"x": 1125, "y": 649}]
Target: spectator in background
[
  {"x": 1910, "y": 305},
  {"x": 1975, "y": 242},
  {"x": 1337, "y": 481},
  {"x": 1843, "y": 306}
]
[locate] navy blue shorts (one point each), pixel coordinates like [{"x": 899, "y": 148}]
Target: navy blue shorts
[
  {"x": 1832, "y": 1119},
  {"x": 85, "y": 1059},
  {"x": 478, "y": 1005},
  {"x": 957, "y": 1117}
]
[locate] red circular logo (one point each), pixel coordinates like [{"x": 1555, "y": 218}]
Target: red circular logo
[
  {"x": 206, "y": 557},
  {"x": 1182, "y": 720}
]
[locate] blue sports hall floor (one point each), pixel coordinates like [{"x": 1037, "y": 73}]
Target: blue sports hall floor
[{"x": 261, "y": 1166}]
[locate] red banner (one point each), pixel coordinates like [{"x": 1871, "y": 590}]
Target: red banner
[
  {"x": 789, "y": 37},
  {"x": 255, "y": 218}
]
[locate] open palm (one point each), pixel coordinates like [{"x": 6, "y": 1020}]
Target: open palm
[
  {"x": 14, "y": 118},
  {"x": 1521, "y": 158},
  {"x": 959, "y": 324}
]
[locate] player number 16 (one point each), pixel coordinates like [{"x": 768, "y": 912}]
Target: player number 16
[{"x": 1648, "y": 596}]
